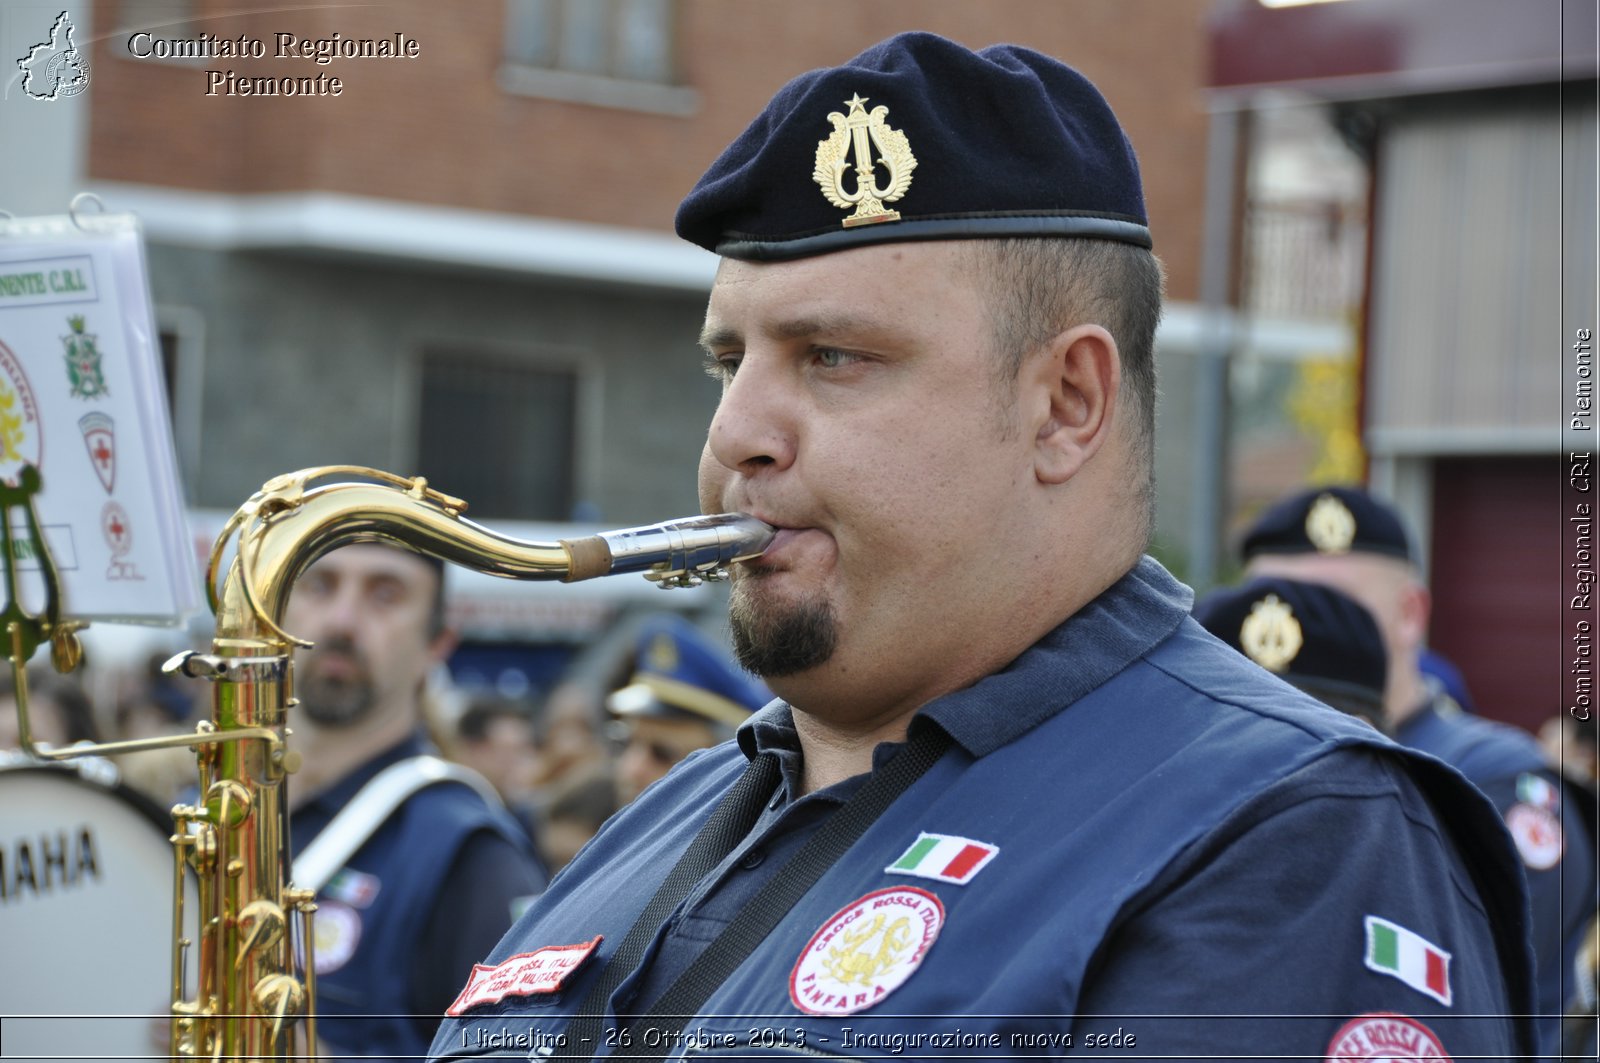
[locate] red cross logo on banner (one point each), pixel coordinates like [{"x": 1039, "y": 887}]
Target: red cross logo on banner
[
  {"x": 118, "y": 532},
  {"x": 114, "y": 522},
  {"x": 100, "y": 438}
]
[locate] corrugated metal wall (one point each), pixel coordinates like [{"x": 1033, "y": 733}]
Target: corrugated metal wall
[{"x": 1479, "y": 274}]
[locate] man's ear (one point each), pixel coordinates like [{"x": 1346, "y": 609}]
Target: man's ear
[
  {"x": 1076, "y": 380},
  {"x": 442, "y": 645},
  {"x": 1416, "y": 612}
]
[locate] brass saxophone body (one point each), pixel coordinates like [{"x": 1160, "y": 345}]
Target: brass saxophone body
[{"x": 252, "y": 991}]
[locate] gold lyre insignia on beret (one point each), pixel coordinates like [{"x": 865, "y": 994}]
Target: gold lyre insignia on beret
[
  {"x": 1330, "y": 525},
  {"x": 854, "y": 131},
  {"x": 1270, "y": 635}
]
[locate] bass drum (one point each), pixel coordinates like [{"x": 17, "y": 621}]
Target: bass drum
[{"x": 85, "y": 917}]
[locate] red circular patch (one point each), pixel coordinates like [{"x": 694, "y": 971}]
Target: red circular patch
[{"x": 1383, "y": 1035}]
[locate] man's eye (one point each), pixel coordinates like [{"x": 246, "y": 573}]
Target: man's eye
[
  {"x": 721, "y": 367},
  {"x": 317, "y": 583},
  {"x": 387, "y": 593},
  {"x": 829, "y": 358}
]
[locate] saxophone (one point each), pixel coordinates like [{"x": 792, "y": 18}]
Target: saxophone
[{"x": 253, "y": 998}]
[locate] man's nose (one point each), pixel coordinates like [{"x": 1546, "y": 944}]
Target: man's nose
[
  {"x": 341, "y": 612},
  {"x": 754, "y": 428}
]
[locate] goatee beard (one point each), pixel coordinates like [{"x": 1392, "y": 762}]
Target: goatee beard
[
  {"x": 330, "y": 702},
  {"x": 772, "y": 639}
]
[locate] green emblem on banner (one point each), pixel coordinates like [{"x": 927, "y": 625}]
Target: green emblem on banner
[{"x": 83, "y": 362}]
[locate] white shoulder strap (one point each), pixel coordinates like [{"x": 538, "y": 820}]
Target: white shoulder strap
[{"x": 333, "y": 847}]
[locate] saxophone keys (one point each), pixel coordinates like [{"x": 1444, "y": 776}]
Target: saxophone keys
[
  {"x": 282, "y": 997},
  {"x": 263, "y": 923}
]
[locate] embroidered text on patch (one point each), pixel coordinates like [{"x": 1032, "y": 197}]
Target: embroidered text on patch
[
  {"x": 865, "y": 951},
  {"x": 945, "y": 858},
  {"x": 1383, "y": 1035},
  {"x": 1404, "y": 954},
  {"x": 525, "y": 974}
]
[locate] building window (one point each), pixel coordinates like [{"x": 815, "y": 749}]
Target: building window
[
  {"x": 500, "y": 435},
  {"x": 611, "y": 53}
]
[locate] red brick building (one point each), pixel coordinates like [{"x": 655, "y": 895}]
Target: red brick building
[{"x": 462, "y": 262}]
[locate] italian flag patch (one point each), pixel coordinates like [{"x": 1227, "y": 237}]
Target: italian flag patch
[
  {"x": 1400, "y": 953},
  {"x": 944, "y": 858}
]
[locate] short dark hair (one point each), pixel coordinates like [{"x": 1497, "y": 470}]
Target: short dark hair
[
  {"x": 473, "y": 726},
  {"x": 1038, "y": 287}
]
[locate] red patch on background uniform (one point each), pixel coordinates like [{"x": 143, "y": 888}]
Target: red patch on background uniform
[
  {"x": 1383, "y": 1035},
  {"x": 1537, "y": 832}
]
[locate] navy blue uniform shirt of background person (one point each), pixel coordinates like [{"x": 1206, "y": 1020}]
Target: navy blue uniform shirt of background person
[
  {"x": 1503, "y": 762},
  {"x": 400, "y": 927},
  {"x": 1178, "y": 833}
]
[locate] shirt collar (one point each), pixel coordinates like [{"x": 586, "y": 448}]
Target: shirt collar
[
  {"x": 340, "y": 793},
  {"x": 1127, "y": 620}
]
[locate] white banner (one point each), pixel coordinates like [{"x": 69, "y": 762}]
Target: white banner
[{"x": 82, "y": 399}]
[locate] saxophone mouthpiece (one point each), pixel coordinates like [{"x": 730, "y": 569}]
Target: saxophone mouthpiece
[{"x": 678, "y": 553}]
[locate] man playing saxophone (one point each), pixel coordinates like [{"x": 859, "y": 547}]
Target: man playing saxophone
[{"x": 1011, "y": 799}]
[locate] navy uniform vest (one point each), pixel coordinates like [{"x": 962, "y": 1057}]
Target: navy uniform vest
[
  {"x": 1545, "y": 813},
  {"x": 373, "y": 913},
  {"x": 1081, "y": 784}
]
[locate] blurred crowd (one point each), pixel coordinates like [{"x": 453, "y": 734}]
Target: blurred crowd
[
  {"x": 1330, "y": 615},
  {"x": 563, "y": 761},
  {"x": 1331, "y": 605}
]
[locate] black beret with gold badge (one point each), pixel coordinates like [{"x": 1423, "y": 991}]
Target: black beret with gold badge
[
  {"x": 1315, "y": 637},
  {"x": 920, "y": 138},
  {"x": 1328, "y": 520}
]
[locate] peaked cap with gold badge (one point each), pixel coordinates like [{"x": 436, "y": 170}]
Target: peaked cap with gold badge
[
  {"x": 1317, "y": 638},
  {"x": 1328, "y": 520},
  {"x": 679, "y": 673},
  {"x": 920, "y": 138}
]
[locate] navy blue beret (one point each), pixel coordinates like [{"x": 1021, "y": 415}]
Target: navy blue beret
[
  {"x": 680, "y": 674},
  {"x": 1002, "y": 142},
  {"x": 1317, "y": 638},
  {"x": 1328, "y": 520}
]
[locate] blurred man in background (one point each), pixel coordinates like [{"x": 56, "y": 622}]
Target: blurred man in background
[
  {"x": 59, "y": 714},
  {"x": 1320, "y": 640},
  {"x": 685, "y": 694},
  {"x": 495, "y": 738},
  {"x": 1347, "y": 539},
  {"x": 575, "y": 782},
  {"x": 438, "y": 866}
]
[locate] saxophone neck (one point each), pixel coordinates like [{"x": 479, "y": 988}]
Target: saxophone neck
[{"x": 289, "y": 524}]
